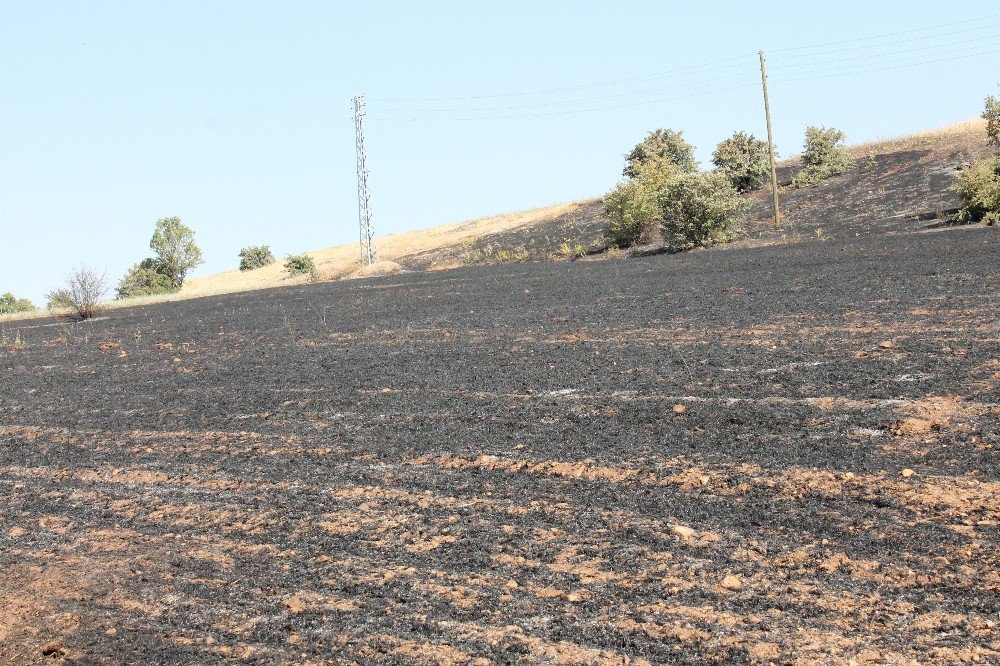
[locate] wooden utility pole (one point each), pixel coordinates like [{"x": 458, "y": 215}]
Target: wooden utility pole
[{"x": 770, "y": 144}]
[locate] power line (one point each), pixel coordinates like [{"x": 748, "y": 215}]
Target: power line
[
  {"x": 849, "y": 72},
  {"x": 813, "y": 63},
  {"x": 575, "y": 111},
  {"x": 855, "y": 65},
  {"x": 661, "y": 99},
  {"x": 715, "y": 65},
  {"x": 891, "y": 67},
  {"x": 587, "y": 100},
  {"x": 692, "y": 69},
  {"x": 888, "y": 34}
]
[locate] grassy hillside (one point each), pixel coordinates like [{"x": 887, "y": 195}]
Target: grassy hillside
[
  {"x": 446, "y": 246},
  {"x": 898, "y": 185}
]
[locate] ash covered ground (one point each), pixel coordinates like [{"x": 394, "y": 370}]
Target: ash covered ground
[{"x": 783, "y": 454}]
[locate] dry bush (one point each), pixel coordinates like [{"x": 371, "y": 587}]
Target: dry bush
[{"x": 83, "y": 294}]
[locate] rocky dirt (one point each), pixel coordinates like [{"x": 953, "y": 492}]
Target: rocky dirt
[{"x": 784, "y": 454}]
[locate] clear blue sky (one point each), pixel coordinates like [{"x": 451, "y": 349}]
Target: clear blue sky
[{"x": 235, "y": 116}]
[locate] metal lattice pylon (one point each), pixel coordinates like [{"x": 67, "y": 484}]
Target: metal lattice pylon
[{"x": 369, "y": 250}]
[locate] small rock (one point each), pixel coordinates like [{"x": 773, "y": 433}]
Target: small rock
[
  {"x": 679, "y": 409},
  {"x": 683, "y": 531},
  {"x": 732, "y": 583},
  {"x": 296, "y": 604},
  {"x": 511, "y": 584},
  {"x": 888, "y": 344},
  {"x": 907, "y": 473}
]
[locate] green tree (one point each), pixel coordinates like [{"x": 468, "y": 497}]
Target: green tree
[
  {"x": 991, "y": 114},
  {"x": 664, "y": 148},
  {"x": 700, "y": 209},
  {"x": 745, "y": 160},
  {"x": 175, "y": 248},
  {"x": 978, "y": 185},
  {"x": 825, "y": 156},
  {"x": 9, "y": 304},
  {"x": 147, "y": 278}
]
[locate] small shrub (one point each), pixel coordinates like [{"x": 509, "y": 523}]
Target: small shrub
[
  {"x": 147, "y": 278},
  {"x": 632, "y": 208},
  {"x": 978, "y": 189},
  {"x": 255, "y": 256},
  {"x": 84, "y": 293},
  {"x": 745, "y": 160},
  {"x": 662, "y": 148},
  {"x": 825, "y": 156},
  {"x": 58, "y": 299},
  {"x": 10, "y": 305},
  {"x": 501, "y": 255},
  {"x": 300, "y": 264},
  {"x": 700, "y": 209}
]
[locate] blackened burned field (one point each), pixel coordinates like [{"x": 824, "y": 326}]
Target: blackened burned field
[{"x": 786, "y": 454}]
